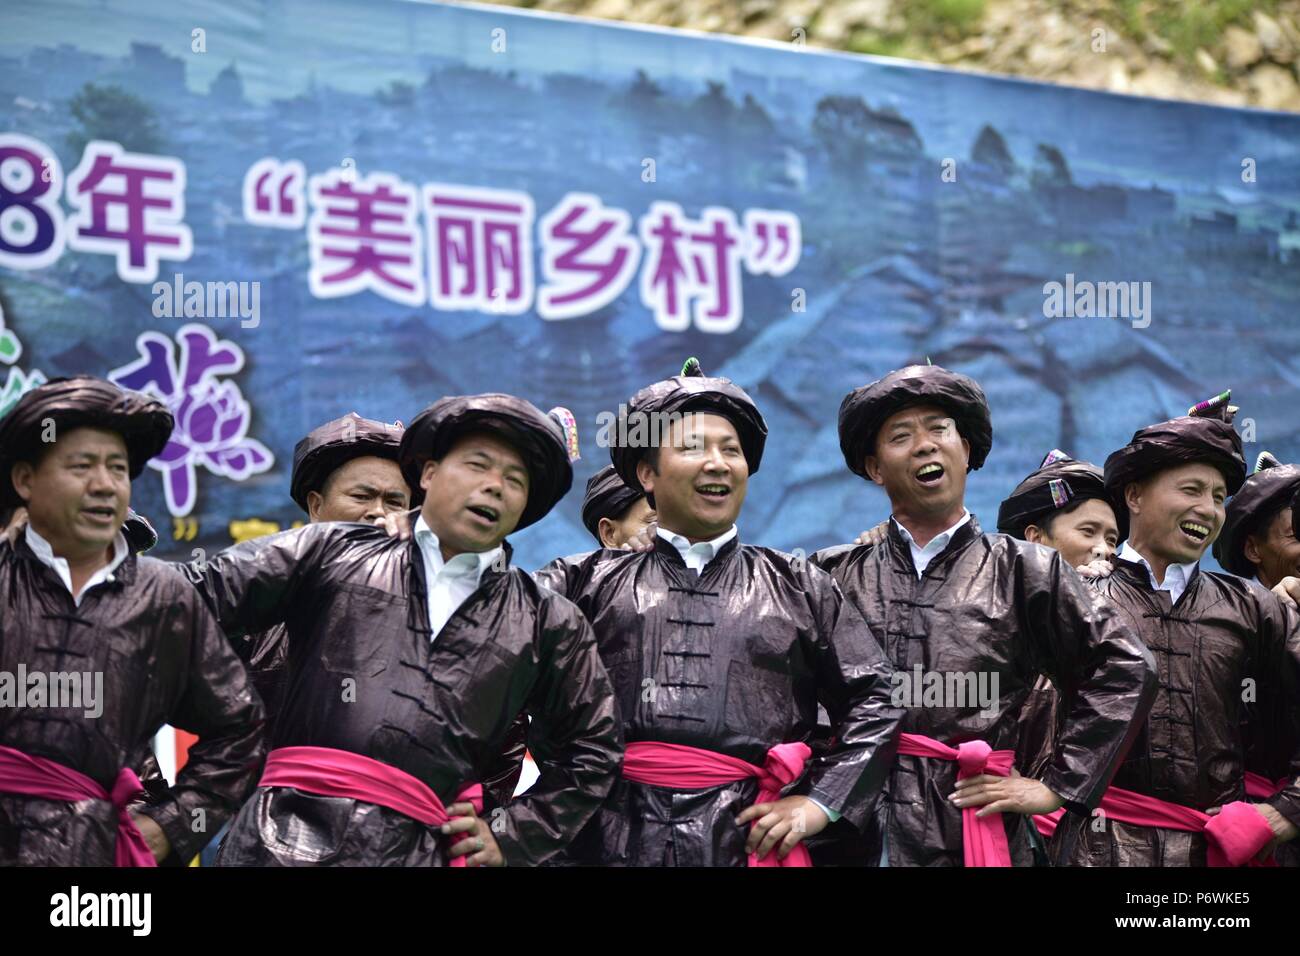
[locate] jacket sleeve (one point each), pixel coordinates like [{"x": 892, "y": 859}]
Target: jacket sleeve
[
  {"x": 219, "y": 705},
  {"x": 503, "y": 776},
  {"x": 1104, "y": 672},
  {"x": 1277, "y": 672},
  {"x": 252, "y": 586},
  {"x": 574, "y": 737},
  {"x": 853, "y": 684},
  {"x": 565, "y": 575}
]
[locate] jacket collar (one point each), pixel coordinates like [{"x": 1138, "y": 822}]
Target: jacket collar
[{"x": 900, "y": 549}]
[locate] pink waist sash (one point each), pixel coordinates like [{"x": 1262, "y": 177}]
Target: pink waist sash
[
  {"x": 1233, "y": 836},
  {"x": 984, "y": 840},
  {"x": 1261, "y": 788},
  {"x": 50, "y": 780},
  {"x": 692, "y": 768},
  {"x": 341, "y": 773}
]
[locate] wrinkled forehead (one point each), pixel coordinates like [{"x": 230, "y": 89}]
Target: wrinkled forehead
[{"x": 381, "y": 473}]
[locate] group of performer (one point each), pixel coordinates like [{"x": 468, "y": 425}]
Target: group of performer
[{"x": 364, "y": 688}]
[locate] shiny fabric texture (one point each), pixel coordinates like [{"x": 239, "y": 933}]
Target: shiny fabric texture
[
  {"x": 144, "y": 423},
  {"x": 320, "y": 453},
  {"x": 735, "y": 661},
  {"x": 865, "y": 409},
  {"x": 539, "y": 438},
  {"x": 324, "y": 450},
  {"x": 1179, "y": 441},
  {"x": 164, "y": 661},
  {"x": 1190, "y": 749},
  {"x": 990, "y": 604},
  {"x": 363, "y": 676}
]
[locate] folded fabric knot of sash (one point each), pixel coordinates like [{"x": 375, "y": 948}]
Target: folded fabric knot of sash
[
  {"x": 984, "y": 839},
  {"x": 1233, "y": 836},
  {"x": 341, "y": 773},
  {"x": 46, "y": 779},
  {"x": 693, "y": 768}
]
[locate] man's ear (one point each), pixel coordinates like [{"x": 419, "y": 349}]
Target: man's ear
[
  {"x": 872, "y": 464},
  {"x": 1133, "y": 497},
  {"x": 23, "y": 475},
  {"x": 965, "y": 451},
  {"x": 608, "y": 532},
  {"x": 426, "y": 474},
  {"x": 315, "y": 502},
  {"x": 1034, "y": 534},
  {"x": 1251, "y": 551},
  {"x": 646, "y": 475}
]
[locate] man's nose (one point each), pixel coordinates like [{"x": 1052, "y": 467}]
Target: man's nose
[
  {"x": 493, "y": 484},
  {"x": 100, "y": 481}
]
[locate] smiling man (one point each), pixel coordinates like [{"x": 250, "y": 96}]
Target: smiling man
[
  {"x": 1220, "y": 642},
  {"x": 720, "y": 653},
  {"x": 409, "y": 661},
  {"x": 954, "y": 602},
  {"x": 74, "y": 597}
]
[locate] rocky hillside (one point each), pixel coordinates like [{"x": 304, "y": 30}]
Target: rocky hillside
[{"x": 1233, "y": 52}]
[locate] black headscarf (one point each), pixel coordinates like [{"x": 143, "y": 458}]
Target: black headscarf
[
  {"x": 1204, "y": 434},
  {"x": 83, "y": 401},
  {"x": 326, "y": 449},
  {"x": 865, "y": 409},
  {"x": 608, "y": 496},
  {"x": 692, "y": 391},
  {"x": 1058, "y": 483},
  {"x": 541, "y": 440},
  {"x": 1261, "y": 496}
]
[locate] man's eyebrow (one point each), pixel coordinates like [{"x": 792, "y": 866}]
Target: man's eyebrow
[{"x": 362, "y": 488}]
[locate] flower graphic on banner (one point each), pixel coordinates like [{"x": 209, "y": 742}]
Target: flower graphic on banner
[
  {"x": 212, "y": 416},
  {"x": 18, "y": 381}
]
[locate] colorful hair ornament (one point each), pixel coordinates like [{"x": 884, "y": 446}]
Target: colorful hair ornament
[
  {"x": 1061, "y": 492},
  {"x": 1265, "y": 461},
  {"x": 570, "y": 426}
]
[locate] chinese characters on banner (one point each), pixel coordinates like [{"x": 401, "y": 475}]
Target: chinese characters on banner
[
  {"x": 475, "y": 248},
  {"x": 455, "y": 247}
]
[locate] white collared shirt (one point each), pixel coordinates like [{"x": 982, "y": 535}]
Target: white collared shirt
[
  {"x": 697, "y": 555},
  {"x": 449, "y": 582},
  {"x": 921, "y": 557},
  {"x": 1177, "y": 576},
  {"x": 44, "y": 552}
]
